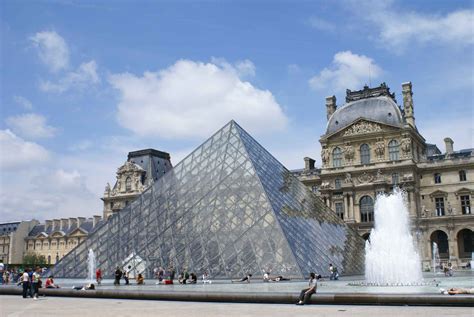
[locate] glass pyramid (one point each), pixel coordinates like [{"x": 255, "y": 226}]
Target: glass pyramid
[{"x": 229, "y": 208}]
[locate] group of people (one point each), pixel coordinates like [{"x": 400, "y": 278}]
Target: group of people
[
  {"x": 125, "y": 274},
  {"x": 31, "y": 282}
]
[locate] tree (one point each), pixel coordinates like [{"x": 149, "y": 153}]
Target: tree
[{"x": 33, "y": 259}]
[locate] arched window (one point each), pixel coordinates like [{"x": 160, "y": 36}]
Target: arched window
[
  {"x": 441, "y": 240},
  {"x": 462, "y": 176},
  {"x": 393, "y": 150},
  {"x": 364, "y": 154},
  {"x": 366, "y": 209},
  {"x": 465, "y": 243},
  {"x": 337, "y": 157},
  {"x": 128, "y": 184}
]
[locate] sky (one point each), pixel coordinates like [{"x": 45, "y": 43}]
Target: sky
[{"x": 82, "y": 83}]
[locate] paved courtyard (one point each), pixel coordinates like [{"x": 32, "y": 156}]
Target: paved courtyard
[{"x": 16, "y": 306}]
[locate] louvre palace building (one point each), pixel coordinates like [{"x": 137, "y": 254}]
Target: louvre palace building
[{"x": 371, "y": 145}]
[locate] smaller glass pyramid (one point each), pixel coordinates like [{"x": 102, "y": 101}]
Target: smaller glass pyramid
[{"x": 229, "y": 208}]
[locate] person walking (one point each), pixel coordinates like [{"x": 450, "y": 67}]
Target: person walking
[
  {"x": 126, "y": 275},
  {"x": 25, "y": 280},
  {"x": 305, "y": 294},
  {"x": 36, "y": 282},
  {"x": 98, "y": 276},
  {"x": 118, "y": 276}
]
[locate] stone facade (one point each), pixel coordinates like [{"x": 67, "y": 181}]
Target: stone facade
[
  {"x": 12, "y": 240},
  {"x": 57, "y": 237},
  {"x": 371, "y": 145},
  {"x": 140, "y": 171}
]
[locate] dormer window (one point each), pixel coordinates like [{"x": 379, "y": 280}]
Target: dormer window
[{"x": 128, "y": 184}]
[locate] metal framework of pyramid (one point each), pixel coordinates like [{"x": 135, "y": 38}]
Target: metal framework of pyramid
[{"x": 229, "y": 208}]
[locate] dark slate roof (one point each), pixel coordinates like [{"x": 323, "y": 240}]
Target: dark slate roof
[
  {"x": 381, "y": 109},
  {"x": 455, "y": 154},
  {"x": 155, "y": 163},
  {"x": 87, "y": 225},
  {"x": 7, "y": 227},
  {"x": 432, "y": 149}
]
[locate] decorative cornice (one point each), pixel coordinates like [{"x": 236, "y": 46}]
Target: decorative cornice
[{"x": 367, "y": 92}]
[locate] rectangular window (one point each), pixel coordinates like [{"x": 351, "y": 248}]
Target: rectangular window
[
  {"x": 465, "y": 205},
  {"x": 340, "y": 210},
  {"x": 462, "y": 176},
  {"x": 314, "y": 189},
  {"x": 439, "y": 203},
  {"x": 437, "y": 178},
  {"x": 395, "y": 179},
  {"x": 337, "y": 183}
]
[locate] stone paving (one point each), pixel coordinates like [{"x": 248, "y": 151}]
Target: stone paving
[{"x": 16, "y": 306}]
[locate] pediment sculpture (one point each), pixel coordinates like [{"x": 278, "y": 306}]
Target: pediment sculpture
[{"x": 362, "y": 127}]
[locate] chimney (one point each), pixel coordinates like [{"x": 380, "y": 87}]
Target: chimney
[
  {"x": 407, "y": 93},
  {"x": 330, "y": 106},
  {"x": 308, "y": 163},
  {"x": 48, "y": 225},
  {"x": 95, "y": 220},
  {"x": 448, "y": 143},
  {"x": 80, "y": 221},
  {"x": 57, "y": 224},
  {"x": 63, "y": 224},
  {"x": 72, "y": 222}
]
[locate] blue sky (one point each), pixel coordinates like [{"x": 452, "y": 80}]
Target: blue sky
[{"x": 85, "y": 82}]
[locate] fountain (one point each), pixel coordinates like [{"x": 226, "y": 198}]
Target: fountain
[
  {"x": 91, "y": 266},
  {"x": 436, "y": 260},
  {"x": 390, "y": 256}
]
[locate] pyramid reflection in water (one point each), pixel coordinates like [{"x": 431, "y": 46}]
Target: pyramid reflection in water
[{"x": 228, "y": 208}]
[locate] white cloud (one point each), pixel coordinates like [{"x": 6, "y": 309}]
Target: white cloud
[
  {"x": 397, "y": 28},
  {"x": 23, "y": 102},
  {"x": 66, "y": 179},
  {"x": 193, "y": 99},
  {"x": 321, "y": 24},
  {"x": 31, "y": 125},
  {"x": 18, "y": 153},
  {"x": 348, "y": 71},
  {"x": 85, "y": 76},
  {"x": 52, "y": 50}
]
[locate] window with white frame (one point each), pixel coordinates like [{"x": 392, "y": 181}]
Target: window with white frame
[
  {"x": 393, "y": 150},
  {"x": 364, "y": 154},
  {"x": 465, "y": 205},
  {"x": 439, "y": 206},
  {"x": 337, "y": 157}
]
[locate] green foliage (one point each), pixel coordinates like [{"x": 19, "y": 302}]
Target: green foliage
[{"x": 33, "y": 259}]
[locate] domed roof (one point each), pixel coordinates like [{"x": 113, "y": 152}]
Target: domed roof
[{"x": 380, "y": 109}]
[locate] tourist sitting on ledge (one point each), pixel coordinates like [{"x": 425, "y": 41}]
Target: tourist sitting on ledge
[
  {"x": 140, "y": 279},
  {"x": 243, "y": 279},
  {"x": 306, "y": 293},
  {"x": 90, "y": 286},
  {"x": 266, "y": 277},
  {"x": 192, "y": 278},
  {"x": 50, "y": 283},
  {"x": 206, "y": 278}
]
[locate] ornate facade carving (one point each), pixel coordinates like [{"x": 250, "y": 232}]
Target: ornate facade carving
[
  {"x": 363, "y": 127},
  {"x": 349, "y": 152},
  {"x": 405, "y": 145},
  {"x": 325, "y": 156},
  {"x": 365, "y": 178},
  {"x": 380, "y": 149}
]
